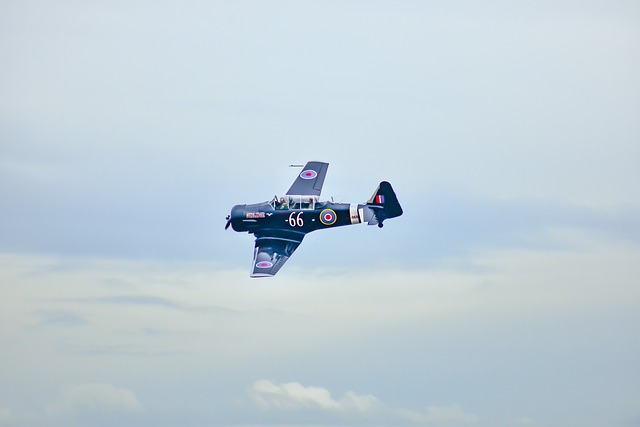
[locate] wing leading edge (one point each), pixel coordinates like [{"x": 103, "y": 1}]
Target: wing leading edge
[
  {"x": 270, "y": 254},
  {"x": 309, "y": 182}
]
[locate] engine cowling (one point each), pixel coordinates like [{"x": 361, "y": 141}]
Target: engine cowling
[{"x": 238, "y": 216}]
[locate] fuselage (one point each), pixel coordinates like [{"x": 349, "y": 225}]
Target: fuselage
[{"x": 296, "y": 218}]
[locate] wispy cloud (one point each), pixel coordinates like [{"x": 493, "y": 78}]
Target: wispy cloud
[
  {"x": 140, "y": 301},
  {"x": 474, "y": 327},
  {"x": 60, "y": 318},
  {"x": 93, "y": 397},
  {"x": 294, "y": 396}
]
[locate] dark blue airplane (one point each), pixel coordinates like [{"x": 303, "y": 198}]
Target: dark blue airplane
[{"x": 281, "y": 224}]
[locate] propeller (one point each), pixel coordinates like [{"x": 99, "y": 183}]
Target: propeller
[{"x": 228, "y": 222}]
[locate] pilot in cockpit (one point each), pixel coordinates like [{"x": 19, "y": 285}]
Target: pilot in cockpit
[
  {"x": 283, "y": 204},
  {"x": 307, "y": 204}
]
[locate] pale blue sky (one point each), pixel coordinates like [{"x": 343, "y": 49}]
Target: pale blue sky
[{"x": 507, "y": 295}]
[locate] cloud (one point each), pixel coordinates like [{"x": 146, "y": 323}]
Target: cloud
[
  {"x": 294, "y": 396},
  {"x": 93, "y": 398},
  {"x": 60, "y": 318},
  {"x": 291, "y": 395},
  {"x": 519, "y": 317}
]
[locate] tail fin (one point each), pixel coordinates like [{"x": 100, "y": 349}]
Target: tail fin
[{"x": 384, "y": 203}]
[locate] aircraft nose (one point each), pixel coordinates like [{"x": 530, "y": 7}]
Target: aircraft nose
[{"x": 237, "y": 214}]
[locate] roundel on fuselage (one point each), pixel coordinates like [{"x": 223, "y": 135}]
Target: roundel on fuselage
[{"x": 328, "y": 217}]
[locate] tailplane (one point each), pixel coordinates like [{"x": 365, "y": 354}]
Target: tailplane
[{"x": 384, "y": 204}]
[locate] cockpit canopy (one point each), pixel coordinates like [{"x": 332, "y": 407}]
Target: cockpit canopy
[{"x": 294, "y": 202}]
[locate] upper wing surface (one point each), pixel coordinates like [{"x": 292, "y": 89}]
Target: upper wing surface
[
  {"x": 270, "y": 254},
  {"x": 310, "y": 180}
]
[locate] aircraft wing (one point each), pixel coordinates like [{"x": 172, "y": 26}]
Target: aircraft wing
[
  {"x": 310, "y": 180},
  {"x": 271, "y": 252}
]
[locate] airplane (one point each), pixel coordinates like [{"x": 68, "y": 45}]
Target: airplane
[{"x": 280, "y": 225}]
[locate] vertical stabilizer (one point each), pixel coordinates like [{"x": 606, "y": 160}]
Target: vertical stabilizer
[{"x": 384, "y": 204}]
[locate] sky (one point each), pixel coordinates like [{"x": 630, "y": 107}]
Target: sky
[{"x": 506, "y": 295}]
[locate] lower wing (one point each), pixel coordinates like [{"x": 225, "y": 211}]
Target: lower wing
[{"x": 270, "y": 254}]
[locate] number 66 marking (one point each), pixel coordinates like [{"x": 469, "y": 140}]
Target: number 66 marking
[{"x": 297, "y": 220}]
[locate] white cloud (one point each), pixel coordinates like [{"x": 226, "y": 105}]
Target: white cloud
[
  {"x": 94, "y": 398},
  {"x": 516, "y": 315},
  {"x": 360, "y": 403},
  {"x": 291, "y": 395},
  {"x": 294, "y": 396}
]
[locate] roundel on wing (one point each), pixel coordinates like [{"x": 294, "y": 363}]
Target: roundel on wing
[
  {"x": 308, "y": 174},
  {"x": 264, "y": 264},
  {"x": 328, "y": 217}
]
